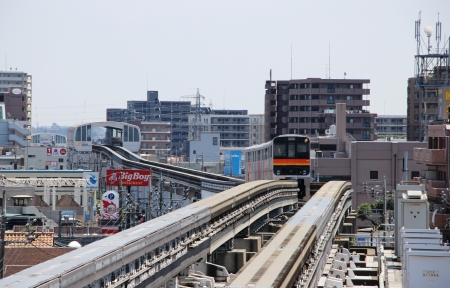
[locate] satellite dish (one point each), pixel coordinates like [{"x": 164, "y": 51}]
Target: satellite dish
[
  {"x": 429, "y": 31},
  {"x": 74, "y": 244}
]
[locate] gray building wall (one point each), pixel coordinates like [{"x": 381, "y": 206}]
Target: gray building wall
[
  {"x": 36, "y": 158},
  {"x": 208, "y": 147},
  {"x": 360, "y": 158}
]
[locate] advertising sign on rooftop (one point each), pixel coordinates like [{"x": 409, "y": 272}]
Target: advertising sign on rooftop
[{"x": 129, "y": 177}]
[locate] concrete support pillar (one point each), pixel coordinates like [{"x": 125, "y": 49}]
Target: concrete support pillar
[
  {"x": 351, "y": 220},
  {"x": 347, "y": 228},
  {"x": 251, "y": 245},
  {"x": 53, "y": 198},
  {"x": 342, "y": 242},
  {"x": 233, "y": 260},
  {"x": 47, "y": 194},
  {"x": 85, "y": 201},
  {"x": 76, "y": 195}
]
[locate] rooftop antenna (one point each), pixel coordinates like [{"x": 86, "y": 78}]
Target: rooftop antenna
[
  {"x": 438, "y": 33},
  {"x": 329, "y": 60},
  {"x": 291, "y": 61},
  {"x": 270, "y": 76},
  {"x": 417, "y": 33},
  {"x": 345, "y": 74}
]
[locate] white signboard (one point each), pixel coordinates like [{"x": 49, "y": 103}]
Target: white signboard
[{"x": 91, "y": 179}]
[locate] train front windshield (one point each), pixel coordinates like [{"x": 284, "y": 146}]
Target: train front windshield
[{"x": 291, "y": 156}]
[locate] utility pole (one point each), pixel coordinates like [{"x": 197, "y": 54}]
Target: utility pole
[
  {"x": 161, "y": 200},
  {"x": 385, "y": 200},
  {"x": 2, "y": 248},
  {"x": 120, "y": 202}
]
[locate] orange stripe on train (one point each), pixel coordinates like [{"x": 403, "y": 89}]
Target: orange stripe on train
[{"x": 297, "y": 162}]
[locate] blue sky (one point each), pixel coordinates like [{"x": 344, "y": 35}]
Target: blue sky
[{"x": 86, "y": 56}]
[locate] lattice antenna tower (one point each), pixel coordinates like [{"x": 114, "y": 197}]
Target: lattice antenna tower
[
  {"x": 432, "y": 72},
  {"x": 196, "y": 126}
]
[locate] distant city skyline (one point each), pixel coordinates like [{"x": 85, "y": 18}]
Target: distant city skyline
[{"x": 87, "y": 56}]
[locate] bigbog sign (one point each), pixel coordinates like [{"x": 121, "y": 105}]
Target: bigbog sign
[{"x": 129, "y": 177}]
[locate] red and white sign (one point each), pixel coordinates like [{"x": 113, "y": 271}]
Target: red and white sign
[
  {"x": 52, "y": 151},
  {"x": 129, "y": 177},
  {"x": 110, "y": 206}
]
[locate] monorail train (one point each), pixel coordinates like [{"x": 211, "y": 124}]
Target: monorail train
[{"x": 285, "y": 157}]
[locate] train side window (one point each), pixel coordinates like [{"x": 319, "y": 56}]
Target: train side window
[
  {"x": 88, "y": 133},
  {"x": 136, "y": 135},
  {"x": 270, "y": 151},
  {"x": 259, "y": 155},
  {"x": 77, "y": 134},
  {"x": 83, "y": 133},
  {"x": 130, "y": 134},
  {"x": 125, "y": 133}
]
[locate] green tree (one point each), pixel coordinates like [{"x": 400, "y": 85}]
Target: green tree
[
  {"x": 379, "y": 203},
  {"x": 364, "y": 211}
]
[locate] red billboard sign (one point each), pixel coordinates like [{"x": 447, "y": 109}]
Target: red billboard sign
[{"x": 129, "y": 177}]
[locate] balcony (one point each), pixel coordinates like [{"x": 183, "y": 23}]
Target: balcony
[
  {"x": 337, "y": 91},
  {"x": 155, "y": 130},
  {"x": 430, "y": 156},
  {"x": 435, "y": 188}
]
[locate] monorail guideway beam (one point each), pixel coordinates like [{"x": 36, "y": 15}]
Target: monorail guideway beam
[
  {"x": 219, "y": 231},
  {"x": 317, "y": 260}
]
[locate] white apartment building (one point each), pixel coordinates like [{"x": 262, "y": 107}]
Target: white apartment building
[{"x": 256, "y": 130}]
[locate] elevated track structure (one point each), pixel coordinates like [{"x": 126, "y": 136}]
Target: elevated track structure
[
  {"x": 152, "y": 253},
  {"x": 294, "y": 256},
  {"x": 195, "y": 179}
]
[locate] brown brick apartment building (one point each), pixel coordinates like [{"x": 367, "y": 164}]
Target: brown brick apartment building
[{"x": 307, "y": 106}]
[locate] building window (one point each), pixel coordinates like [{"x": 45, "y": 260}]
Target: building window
[
  {"x": 349, "y": 97},
  {"x": 373, "y": 175},
  {"x": 415, "y": 174},
  {"x": 215, "y": 141},
  {"x": 366, "y": 134},
  {"x": 330, "y": 100}
]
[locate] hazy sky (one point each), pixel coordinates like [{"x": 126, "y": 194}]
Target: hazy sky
[{"x": 86, "y": 56}]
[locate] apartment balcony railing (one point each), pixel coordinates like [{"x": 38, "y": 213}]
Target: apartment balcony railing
[
  {"x": 337, "y": 91},
  {"x": 435, "y": 189},
  {"x": 430, "y": 156}
]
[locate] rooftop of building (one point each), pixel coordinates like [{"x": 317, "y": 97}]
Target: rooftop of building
[
  {"x": 320, "y": 80},
  {"x": 391, "y": 116}
]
